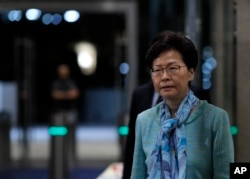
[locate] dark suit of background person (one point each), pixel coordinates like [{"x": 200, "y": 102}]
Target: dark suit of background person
[{"x": 142, "y": 99}]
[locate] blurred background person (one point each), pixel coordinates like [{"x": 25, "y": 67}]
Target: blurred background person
[{"x": 65, "y": 94}]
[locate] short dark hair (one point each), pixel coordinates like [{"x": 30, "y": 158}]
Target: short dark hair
[{"x": 169, "y": 40}]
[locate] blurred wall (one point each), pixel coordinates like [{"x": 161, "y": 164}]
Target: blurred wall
[
  {"x": 243, "y": 80},
  {"x": 8, "y": 100},
  {"x": 230, "y": 40}
]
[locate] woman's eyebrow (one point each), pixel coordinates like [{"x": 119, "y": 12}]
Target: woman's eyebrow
[{"x": 169, "y": 64}]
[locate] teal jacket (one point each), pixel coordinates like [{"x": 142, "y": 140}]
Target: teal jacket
[{"x": 209, "y": 142}]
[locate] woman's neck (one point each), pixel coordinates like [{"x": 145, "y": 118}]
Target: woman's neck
[
  {"x": 173, "y": 106},
  {"x": 173, "y": 110}
]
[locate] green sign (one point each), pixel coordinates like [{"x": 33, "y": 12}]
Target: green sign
[
  {"x": 234, "y": 130},
  {"x": 123, "y": 130},
  {"x": 58, "y": 130}
]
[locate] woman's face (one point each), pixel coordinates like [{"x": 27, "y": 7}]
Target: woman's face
[{"x": 171, "y": 82}]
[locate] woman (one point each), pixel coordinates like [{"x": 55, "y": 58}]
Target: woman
[{"x": 181, "y": 137}]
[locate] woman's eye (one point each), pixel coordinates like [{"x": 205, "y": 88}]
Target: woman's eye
[{"x": 173, "y": 68}]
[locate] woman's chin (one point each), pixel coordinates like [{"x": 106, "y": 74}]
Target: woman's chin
[{"x": 168, "y": 95}]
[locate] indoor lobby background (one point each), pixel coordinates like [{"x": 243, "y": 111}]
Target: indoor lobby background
[{"x": 119, "y": 32}]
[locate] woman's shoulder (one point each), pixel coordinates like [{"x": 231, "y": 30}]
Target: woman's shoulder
[
  {"x": 210, "y": 112},
  {"x": 208, "y": 115},
  {"x": 209, "y": 108}
]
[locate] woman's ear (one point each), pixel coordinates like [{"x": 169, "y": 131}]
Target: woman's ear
[{"x": 191, "y": 73}]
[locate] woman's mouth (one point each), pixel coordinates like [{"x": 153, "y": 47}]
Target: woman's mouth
[{"x": 166, "y": 87}]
